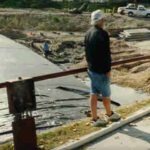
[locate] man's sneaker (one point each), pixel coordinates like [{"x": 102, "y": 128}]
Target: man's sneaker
[
  {"x": 101, "y": 122},
  {"x": 114, "y": 117},
  {"x": 88, "y": 113}
]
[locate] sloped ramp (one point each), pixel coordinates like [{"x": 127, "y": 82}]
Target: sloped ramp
[{"x": 55, "y": 106}]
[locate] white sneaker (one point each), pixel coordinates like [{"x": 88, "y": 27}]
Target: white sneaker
[
  {"x": 101, "y": 122},
  {"x": 114, "y": 117}
]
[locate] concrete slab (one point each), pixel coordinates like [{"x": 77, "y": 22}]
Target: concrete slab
[
  {"x": 131, "y": 137},
  {"x": 54, "y": 106},
  {"x": 136, "y": 34},
  {"x": 132, "y": 31},
  {"x": 98, "y": 135}
]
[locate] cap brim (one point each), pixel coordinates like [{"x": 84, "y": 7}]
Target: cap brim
[{"x": 93, "y": 22}]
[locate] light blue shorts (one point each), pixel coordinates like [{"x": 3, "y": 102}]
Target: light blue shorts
[{"x": 100, "y": 84}]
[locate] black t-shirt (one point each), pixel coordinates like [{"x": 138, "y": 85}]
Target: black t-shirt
[{"x": 97, "y": 50}]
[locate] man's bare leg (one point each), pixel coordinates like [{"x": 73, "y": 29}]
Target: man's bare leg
[
  {"x": 93, "y": 105},
  {"x": 107, "y": 104}
]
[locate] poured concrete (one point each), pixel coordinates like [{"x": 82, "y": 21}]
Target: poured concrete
[
  {"x": 135, "y": 136},
  {"x": 55, "y": 105}
]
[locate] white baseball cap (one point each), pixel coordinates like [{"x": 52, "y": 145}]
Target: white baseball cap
[{"x": 96, "y": 16}]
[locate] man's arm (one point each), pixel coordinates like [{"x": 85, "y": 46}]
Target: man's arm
[{"x": 108, "y": 55}]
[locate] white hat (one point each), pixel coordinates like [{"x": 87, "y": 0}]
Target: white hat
[{"x": 96, "y": 16}]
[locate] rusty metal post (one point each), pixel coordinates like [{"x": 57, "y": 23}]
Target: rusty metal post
[
  {"x": 21, "y": 100},
  {"x": 24, "y": 134}
]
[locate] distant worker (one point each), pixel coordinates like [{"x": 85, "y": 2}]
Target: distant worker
[
  {"x": 46, "y": 49},
  {"x": 98, "y": 56}
]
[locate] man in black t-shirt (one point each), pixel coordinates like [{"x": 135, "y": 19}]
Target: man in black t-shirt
[{"x": 98, "y": 56}]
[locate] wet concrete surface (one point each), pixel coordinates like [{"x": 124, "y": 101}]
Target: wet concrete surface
[
  {"x": 59, "y": 100},
  {"x": 55, "y": 105}
]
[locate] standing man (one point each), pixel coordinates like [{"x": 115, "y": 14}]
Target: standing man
[{"x": 98, "y": 56}]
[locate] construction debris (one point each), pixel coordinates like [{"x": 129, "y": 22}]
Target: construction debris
[{"x": 135, "y": 34}]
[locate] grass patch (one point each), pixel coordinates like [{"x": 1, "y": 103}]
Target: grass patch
[
  {"x": 63, "y": 134},
  {"x": 126, "y": 111},
  {"x": 44, "y": 22},
  {"x": 70, "y": 23},
  {"x": 77, "y": 129}
]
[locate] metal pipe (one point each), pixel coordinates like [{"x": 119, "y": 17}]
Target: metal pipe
[
  {"x": 115, "y": 63},
  {"x": 3, "y": 84},
  {"x": 79, "y": 70}
]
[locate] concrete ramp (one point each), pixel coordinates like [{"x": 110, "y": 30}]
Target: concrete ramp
[
  {"x": 59, "y": 100},
  {"x": 136, "y": 34},
  {"x": 55, "y": 106}
]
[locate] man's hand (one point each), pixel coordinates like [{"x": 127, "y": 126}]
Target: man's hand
[{"x": 108, "y": 74}]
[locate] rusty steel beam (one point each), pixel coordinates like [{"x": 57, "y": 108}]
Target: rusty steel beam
[
  {"x": 80, "y": 70},
  {"x": 75, "y": 71},
  {"x": 115, "y": 63},
  {"x": 3, "y": 85},
  {"x": 59, "y": 74}
]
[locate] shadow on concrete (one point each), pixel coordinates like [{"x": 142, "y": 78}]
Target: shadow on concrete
[{"x": 136, "y": 133}]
